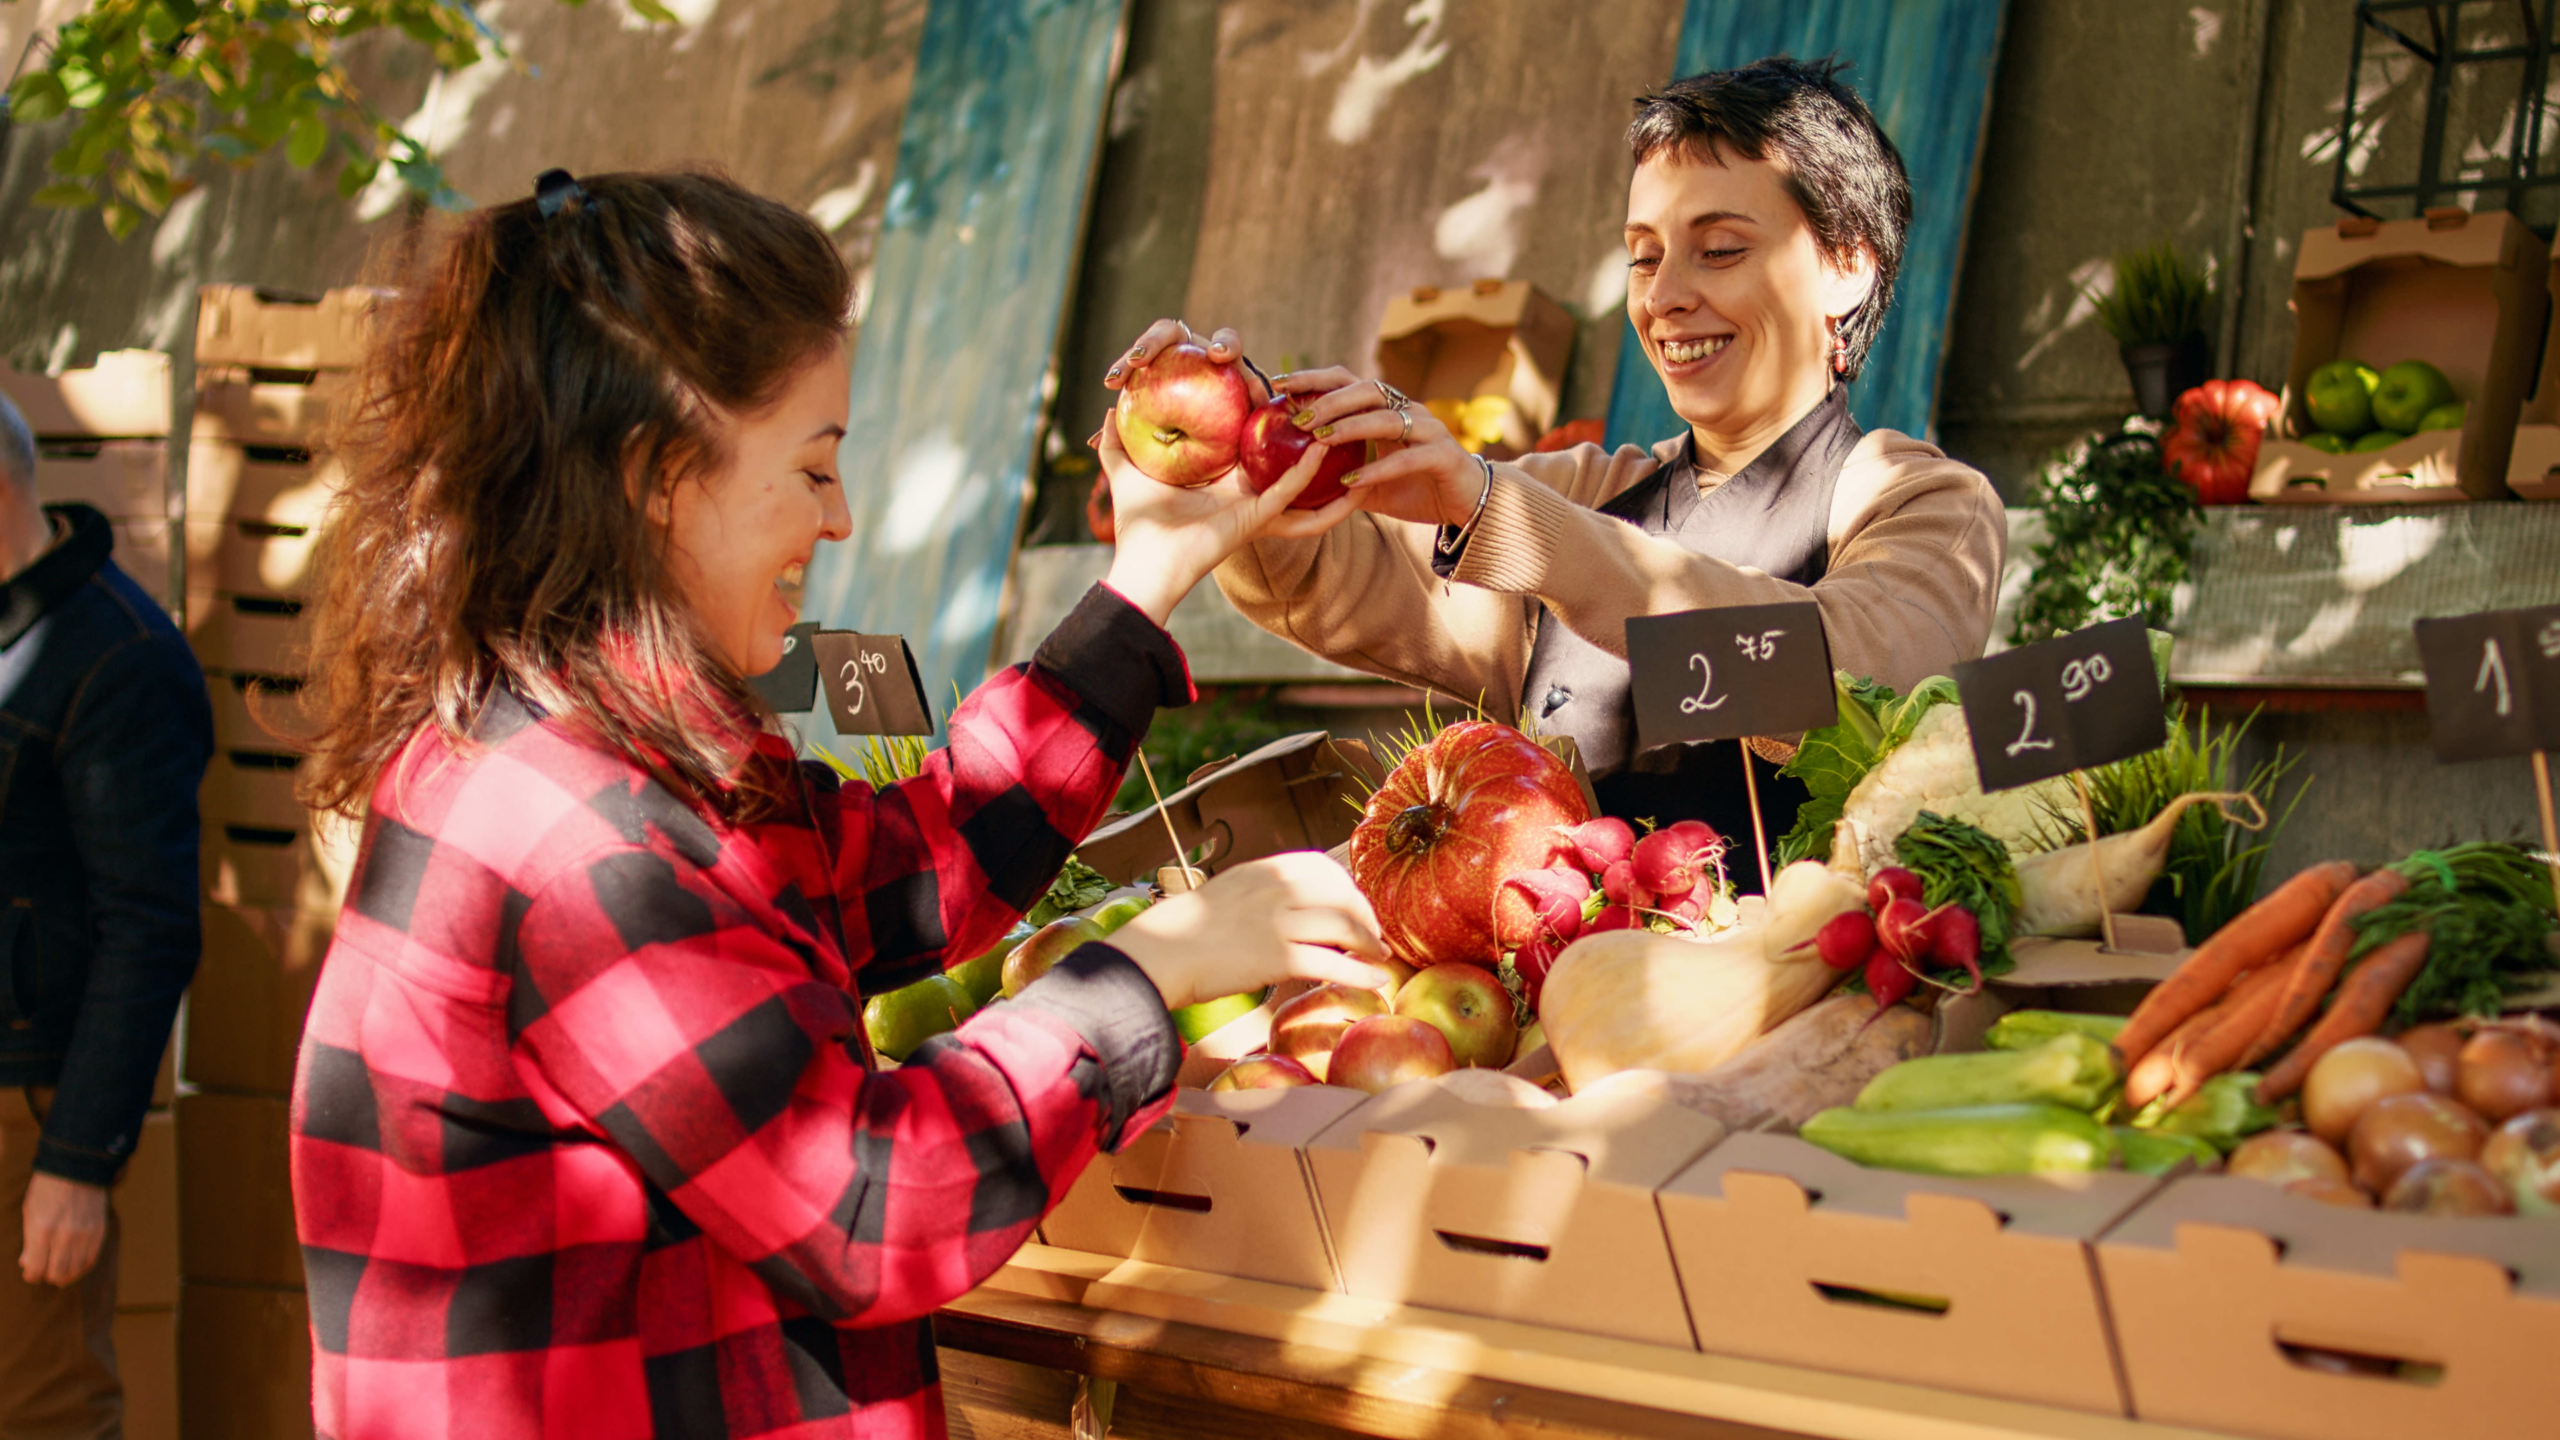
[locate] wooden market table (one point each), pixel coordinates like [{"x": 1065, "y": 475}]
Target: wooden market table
[{"x": 1204, "y": 1356}]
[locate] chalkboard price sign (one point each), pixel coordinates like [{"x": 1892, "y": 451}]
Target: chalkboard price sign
[
  {"x": 791, "y": 687},
  {"x": 2493, "y": 682},
  {"x": 1729, "y": 672},
  {"x": 871, "y": 684},
  {"x": 2061, "y": 705}
]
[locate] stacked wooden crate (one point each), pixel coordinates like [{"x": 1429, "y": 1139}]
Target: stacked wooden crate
[
  {"x": 102, "y": 438},
  {"x": 258, "y": 485}
]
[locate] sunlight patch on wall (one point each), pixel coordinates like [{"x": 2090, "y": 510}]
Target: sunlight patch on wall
[{"x": 1372, "y": 82}]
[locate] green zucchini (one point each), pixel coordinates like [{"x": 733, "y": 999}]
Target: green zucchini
[
  {"x": 1975, "y": 1140},
  {"x": 2026, "y": 1029},
  {"x": 2069, "y": 1069},
  {"x": 2224, "y": 1110},
  {"x": 2149, "y": 1152}
]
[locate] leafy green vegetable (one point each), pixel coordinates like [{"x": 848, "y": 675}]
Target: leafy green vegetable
[
  {"x": 2214, "y": 866},
  {"x": 2487, "y": 909},
  {"x": 1962, "y": 864},
  {"x": 2119, "y": 535},
  {"x": 1832, "y": 760},
  {"x": 1077, "y": 886}
]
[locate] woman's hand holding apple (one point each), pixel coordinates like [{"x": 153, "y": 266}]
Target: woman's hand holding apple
[
  {"x": 1167, "y": 539},
  {"x": 1290, "y": 915}
]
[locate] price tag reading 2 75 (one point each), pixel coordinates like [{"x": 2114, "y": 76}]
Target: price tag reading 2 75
[
  {"x": 871, "y": 684},
  {"x": 2061, "y": 705},
  {"x": 1729, "y": 672}
]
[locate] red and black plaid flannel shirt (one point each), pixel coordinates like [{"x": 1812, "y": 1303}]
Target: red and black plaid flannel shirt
[{"x": 583, "y": 1145}]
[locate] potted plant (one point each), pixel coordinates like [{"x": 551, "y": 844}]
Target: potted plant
[{"x": 2156, "y": 312}]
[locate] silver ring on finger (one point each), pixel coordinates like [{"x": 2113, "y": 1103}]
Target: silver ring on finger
[
  {"x": 1392, "y": 396},
  {"x": 1404, "y": 415}
]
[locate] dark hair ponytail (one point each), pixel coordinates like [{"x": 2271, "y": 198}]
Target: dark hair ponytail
[{"x": 552, "y": 365}]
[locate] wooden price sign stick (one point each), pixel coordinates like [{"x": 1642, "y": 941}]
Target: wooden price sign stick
[
  {"x": 1728, "y": 674},
  {"x": 2059, "y": 707},
  {"x": 1190, "y": 878},
  {"x": 2493, "y": 691}
]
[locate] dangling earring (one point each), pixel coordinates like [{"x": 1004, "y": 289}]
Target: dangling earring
[{"x": 1839, "y": 350}]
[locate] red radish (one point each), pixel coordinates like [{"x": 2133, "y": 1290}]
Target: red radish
[
  {"x": 1667, "y": 862},
  {"x": 1619, "y": 884},
  {"x": 1902, "y": 928},
  {"x": 1888, "y": 979},
  {"x": 1700, "y": 834},
  {"x": 1601, "y": 843},
  {"x": 1688, "y": 909},
  {"x": 1533, "y": 960},
  {"x": 1955, "y": 938},
  {"x": 1890, "y": 884},
  {"x": 1846, "y": 940},
  {"x": 1555, "y": 901},
  {"x": 1612, "y": 917}
]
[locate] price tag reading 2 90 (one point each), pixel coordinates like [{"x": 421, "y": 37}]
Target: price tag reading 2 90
[
  {"x": 2062, "y": 705},
  {"x": 1729, "y": 672}
]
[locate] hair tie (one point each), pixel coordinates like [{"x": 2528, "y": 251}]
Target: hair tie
[{"x": 555, "y": 188}]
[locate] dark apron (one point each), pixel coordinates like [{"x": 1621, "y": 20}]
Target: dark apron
[{"x": 1775, "y": 517}]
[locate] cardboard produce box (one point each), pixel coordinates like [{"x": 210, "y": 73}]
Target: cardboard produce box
[
  {"x": 244, "y": 1363},
  {"x": 254, "y": 407},
  {"x": 297, "y": 867},
  {"x": 121, "y": 479},
  {"x": 2533, "y": 466},
  {"x": 252, "y": 787},
  {"x": 2464, "y": 292},
  {"x": 251, "y": 634},
  {"x": 146, "y": 1206},
  {"x": 146, "y": 1344},
  {"x": 1791, "y": 1254},
  {"x": 1297, "y": 793},
  {"x": 260, "y": 329},
  {"x": 239, "y": 556},
  {"x": 1541, "y": 1216},
  {"x": 1495, "y": 350},
  {"x": 123, "y": 395},
  {"x": 235, "y": 1191},
  {"x": 285, "y": 484},
  {"x": 252, "y": 712},
  {"x": 2242, "y": 1308},
  {"x": 252, "y": 990}
]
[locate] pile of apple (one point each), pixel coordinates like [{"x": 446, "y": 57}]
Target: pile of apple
[
  {"x": 2358, "y": 410},
  {"x": 1419, "y": 1025},
  {"x": 1185, "y": 420}
]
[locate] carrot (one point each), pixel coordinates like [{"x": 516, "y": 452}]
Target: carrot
[
  {"x": 2363, "y": 1001},
  {"x": 2254, "y": 936},
  {"x": 2322, "y": 961},
  {"x": 2220, "y": 1047},
  {"x": 2163, "y": 1069}
]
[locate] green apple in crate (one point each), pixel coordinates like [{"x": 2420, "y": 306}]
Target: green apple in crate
[
  {"x": 2326, "y": 443},
  {"x": 2406, "y": 392},
  {"x": 2376, "y": 440},
  {"x": 2445, "y": 417},
  {"x": 2340, "y": 397}
]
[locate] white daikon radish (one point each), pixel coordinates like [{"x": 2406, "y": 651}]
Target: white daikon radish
[{"x": 2059, "y": 890}]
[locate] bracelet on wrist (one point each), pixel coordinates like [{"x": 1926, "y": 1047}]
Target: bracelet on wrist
[{"x": 1449, "y": 543}]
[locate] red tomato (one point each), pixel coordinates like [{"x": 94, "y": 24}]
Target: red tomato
[{"x": 2214, "y": 436}]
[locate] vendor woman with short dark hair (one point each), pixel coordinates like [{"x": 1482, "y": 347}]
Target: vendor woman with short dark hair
[{"x": 1765, "y": 223}]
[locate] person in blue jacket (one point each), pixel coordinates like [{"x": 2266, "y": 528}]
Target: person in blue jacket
[{"x": 105, "y": 730}]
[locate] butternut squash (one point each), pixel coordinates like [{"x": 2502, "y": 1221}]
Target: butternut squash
[{"x": 1634, "y": 1000}]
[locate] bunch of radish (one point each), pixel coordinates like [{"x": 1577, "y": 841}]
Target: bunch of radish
[
  {"x": 1898, "y": 938},
  {"x": 1665, "y": 880}
]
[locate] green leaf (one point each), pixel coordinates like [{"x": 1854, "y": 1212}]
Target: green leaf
[
  {"x": 121, "y": 218},
  {"x": 267, "y": 122},
  {"x": 309, "y": 140},
  {"x": 65, "y": 195},
  {"x": 653, "y": 12},
  {"x": 37, "y": 97},
  {"x": 159, "y": 26}
]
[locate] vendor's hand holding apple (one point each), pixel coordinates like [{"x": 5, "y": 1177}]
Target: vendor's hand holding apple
[{"x": 1290, "y": 915}]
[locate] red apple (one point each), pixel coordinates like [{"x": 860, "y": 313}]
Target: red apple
[
  {"x": 1468, "y": 1006},
  {"x": 1386, "y": 1050},
  {"x": 1307, "y": 1028},
  {"x": 1263, "y": 1071},
  {"x": 1182, "y": 416},
  {"x": 1272, "y": 445}
]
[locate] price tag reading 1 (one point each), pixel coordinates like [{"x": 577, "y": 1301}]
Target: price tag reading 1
[
  {"x": 2062, "y": 705},
  {"x": 791, "y": 687},
  {"x": 1730, "y": 672},
  {"x": 871, "y": 684},
  {"x": 2493, "y": 682}
]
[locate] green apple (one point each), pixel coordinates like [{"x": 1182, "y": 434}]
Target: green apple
[
  {"x": 2340, "y": 397},
  {"x": 2325, "y": 442},
  {"x": 903, "y": 1019},
  {"x": 1043, "y": 948},
  {"x": 983, "y": 975},
  {"x": 2406, "y": 393},
  {"x": 1196, "y": 1023},
  {"x": 1120, "y": 912},
  {"x": 2444, "y": 417},
  {"x": 2376, "y": 440}
]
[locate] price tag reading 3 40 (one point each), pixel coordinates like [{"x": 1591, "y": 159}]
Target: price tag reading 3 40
[
  {"x": 1729, "y": 672},
  {"x": 871, "y": 684},
  {"x": 2493, "y": 682},
  {"x": 2061, "y": 705}
]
